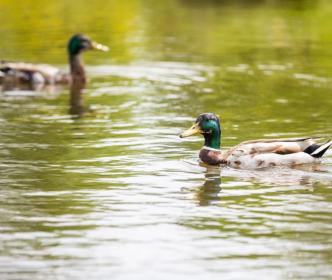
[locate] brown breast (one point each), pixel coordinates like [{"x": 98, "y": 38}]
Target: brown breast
[{"x": 211, "y": 157}]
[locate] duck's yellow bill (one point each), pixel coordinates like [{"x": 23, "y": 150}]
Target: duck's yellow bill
[
  {"x": 195, "y": 129},
  {"x": 100, "y": 47}
]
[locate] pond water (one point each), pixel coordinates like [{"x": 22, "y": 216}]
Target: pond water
[{"x": 115, "y": 193}]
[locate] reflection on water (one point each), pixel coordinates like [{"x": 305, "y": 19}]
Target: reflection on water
[
  {"x": 117, "y": 193},
  {"x": 209, "y": 191},
  {"x": 76, "y": 103}
]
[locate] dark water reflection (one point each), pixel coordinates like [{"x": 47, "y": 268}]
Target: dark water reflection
[
  {"x": 76, "y": 102},
  {"x": 209, "y": 191},
  {"x": 94, "y": 181}
]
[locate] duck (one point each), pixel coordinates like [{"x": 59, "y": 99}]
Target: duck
[
  {"x": 253, "y": 154},
  {"x": 16, "y": 73}
]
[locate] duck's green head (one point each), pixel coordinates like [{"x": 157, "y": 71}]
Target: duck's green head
[
  {"x": 208, "y": 125},
  {"x": 79, "y": 42}
]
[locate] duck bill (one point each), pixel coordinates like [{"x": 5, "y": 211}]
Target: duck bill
[
  {"x": 100, "y": 47},
  {"x": 195, "y": 129}
]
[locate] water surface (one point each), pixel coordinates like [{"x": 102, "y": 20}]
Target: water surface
[{"x": 115, "y": 192}]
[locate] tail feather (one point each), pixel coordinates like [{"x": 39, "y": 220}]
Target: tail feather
[{"x": 318, "y": 151}]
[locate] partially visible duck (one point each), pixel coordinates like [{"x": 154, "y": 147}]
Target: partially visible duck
[
  {"x": 20, "y": 72},
  {"x": 254, "y": 154}
]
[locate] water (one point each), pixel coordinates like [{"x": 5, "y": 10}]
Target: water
[{"x": 115, "y": 193}]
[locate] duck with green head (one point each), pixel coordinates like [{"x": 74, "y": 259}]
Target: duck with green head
[
  {"x": 253, "y": 154},
  {"x": 20, "y": 72}
]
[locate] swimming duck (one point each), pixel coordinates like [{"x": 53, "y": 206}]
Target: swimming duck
[
  {"x": 253, "y": 154},
  {"x": 19, "y": 72}
]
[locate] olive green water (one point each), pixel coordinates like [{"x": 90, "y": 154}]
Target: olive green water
[{"x": 116, "y": 194}]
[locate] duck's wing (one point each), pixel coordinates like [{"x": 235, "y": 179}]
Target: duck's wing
[
  {"x": 271, "y": 152},
  {"x": 47, "y": 72},
  {"x": 277, "y": 146},
  {"x": 297, "y": 139}
]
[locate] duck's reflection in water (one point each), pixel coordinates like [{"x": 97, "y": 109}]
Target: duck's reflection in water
[
  {"x": 76, "y": 102},
  {"x": 9, "y": 88},
  {"x": 304, "y": 177},
  {"x": 209, "y": 191},
  {"x": 301, "y": 175}
]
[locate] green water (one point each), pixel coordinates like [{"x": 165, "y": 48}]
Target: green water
[{"x": 116, "y": 194}]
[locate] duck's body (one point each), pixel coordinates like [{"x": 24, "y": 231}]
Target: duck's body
[
  {"x": 16, "y": 73},
  {"x": 255, "y": 153},
  {"x": 20, "y": 72},
  {"x": 264, "y": 153}
]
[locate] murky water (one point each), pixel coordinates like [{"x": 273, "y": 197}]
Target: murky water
[{"x": 115, "y": 193}]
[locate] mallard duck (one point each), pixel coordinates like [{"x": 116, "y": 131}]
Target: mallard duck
[
  {"x": 19, "y": 72},
  {"x": 253, "y": 154}
]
